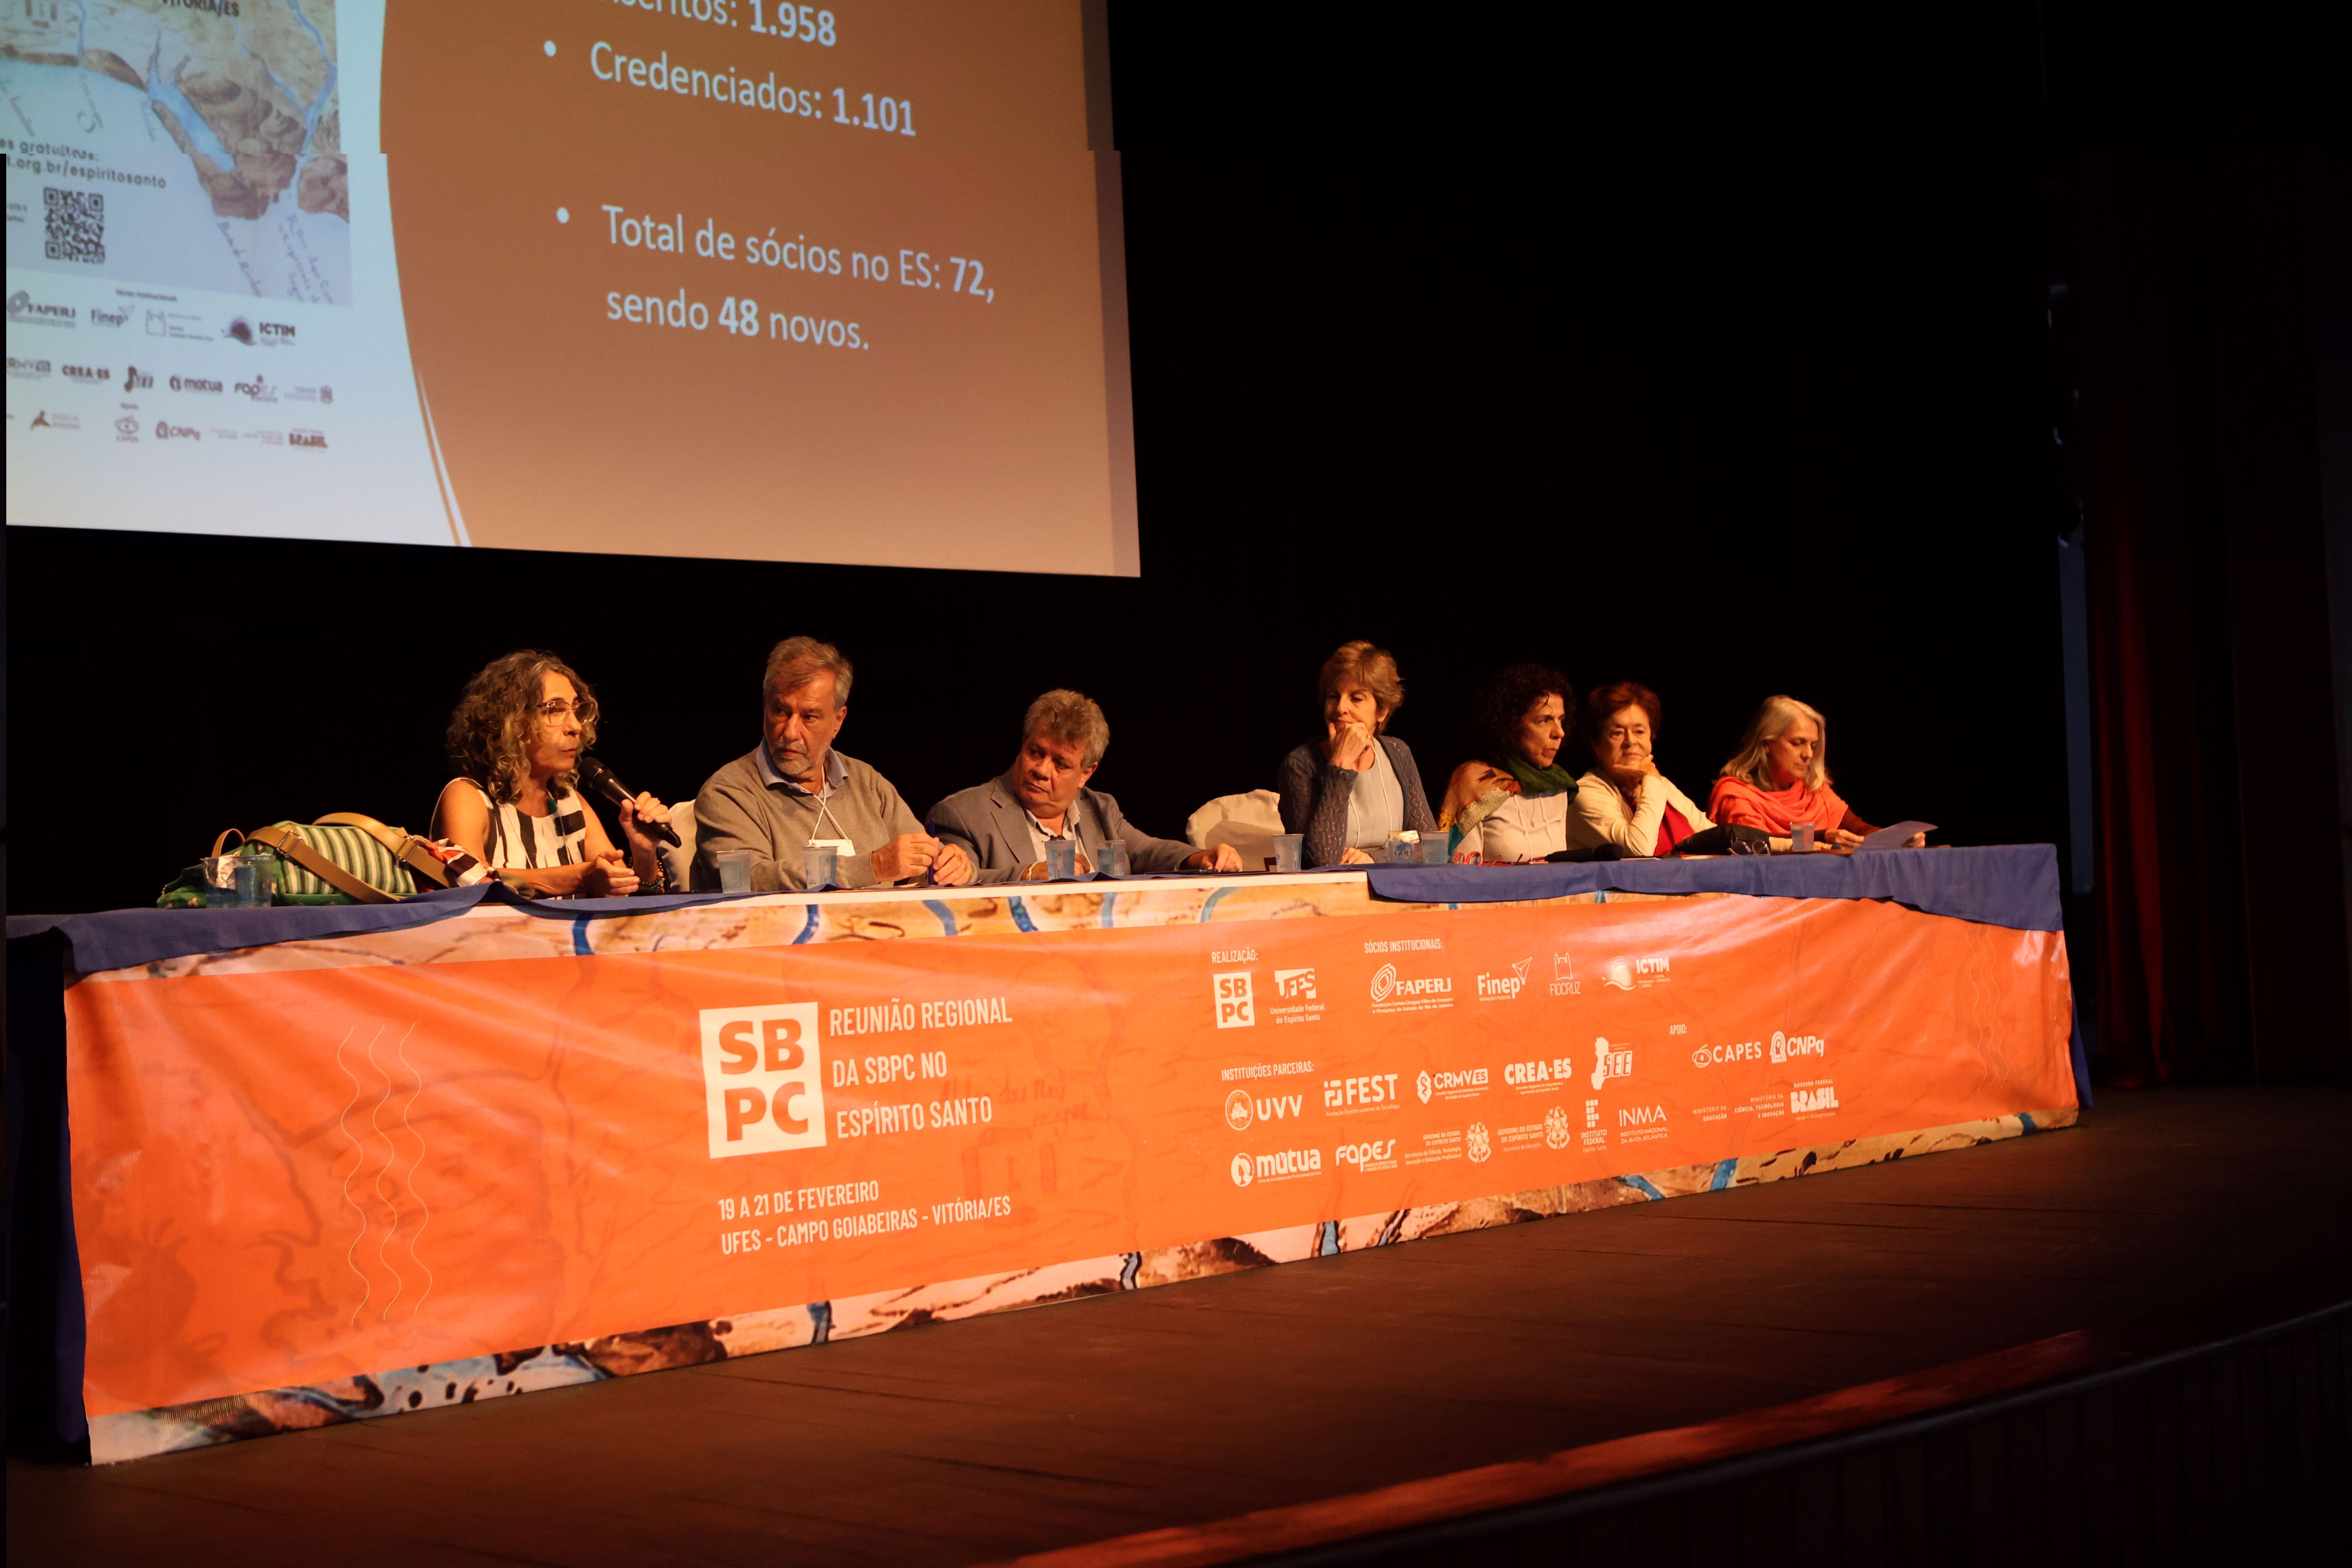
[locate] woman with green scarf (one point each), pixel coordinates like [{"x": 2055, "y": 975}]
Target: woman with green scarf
[{"x": 1512, "y": 804}]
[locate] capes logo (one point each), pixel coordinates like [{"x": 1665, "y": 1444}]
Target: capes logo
[
  {"x": 764, "y": 1079},
  {"x": 1739, "y": 1051}
]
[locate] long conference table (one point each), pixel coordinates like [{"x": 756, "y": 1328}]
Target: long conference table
[{"x": 288, "y": 1167}]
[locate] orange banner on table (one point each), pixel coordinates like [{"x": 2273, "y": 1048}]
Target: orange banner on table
[{"x": 288, "y": 1178}]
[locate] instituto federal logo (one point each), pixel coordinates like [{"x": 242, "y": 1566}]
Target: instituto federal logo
[
  {"x": 764, "y": 1079},
  {"x": 1238, "y": 1110}
]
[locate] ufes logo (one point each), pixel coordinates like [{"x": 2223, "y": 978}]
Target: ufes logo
[{"x": 762, "y": 1078}]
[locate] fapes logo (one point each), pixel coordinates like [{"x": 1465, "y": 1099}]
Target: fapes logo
[{"x": 762, "y": 1078}]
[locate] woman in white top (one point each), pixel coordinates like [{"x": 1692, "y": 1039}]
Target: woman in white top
[
  {"x": 1624, "y": 800},
  {"x": 1512, "y": 806},
  {"x": 517, "y": 735}
]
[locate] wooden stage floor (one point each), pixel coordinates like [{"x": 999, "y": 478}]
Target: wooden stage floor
[{"x": 972, "y": 1441}]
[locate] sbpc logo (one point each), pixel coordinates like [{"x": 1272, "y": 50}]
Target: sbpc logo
[{"x": 762, "y": 1078}]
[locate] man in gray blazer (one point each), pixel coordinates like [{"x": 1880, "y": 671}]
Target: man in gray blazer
[{"x": 1004, "y": 826}]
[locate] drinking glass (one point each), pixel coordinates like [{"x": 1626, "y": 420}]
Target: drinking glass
[
  {"x": 1061, "y": 859},
  {"x": 1801, "y": 838},
  {"x": 734, "y": 871},
  {"x": 1434, "y": 847},
  {"x": 1404, "y": 847},
  {"x": 238, "y": 881},
  {"x": 1289, "y": 848},
  {"x": 1110, "y": 861},
  {"x": 820, "y": 866}
]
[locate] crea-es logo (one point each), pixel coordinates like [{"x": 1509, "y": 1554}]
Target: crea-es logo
[
  {"x": 1282, "y": 1165},
  {"x": 764, "y": 1079},
  {"x": 1557, "y": 1070}
]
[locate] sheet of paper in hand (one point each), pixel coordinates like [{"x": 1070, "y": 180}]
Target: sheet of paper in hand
[{"x": 1895, "y": 838}]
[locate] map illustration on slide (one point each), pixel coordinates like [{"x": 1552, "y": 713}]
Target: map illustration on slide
[{"x": 187, "y": 142}]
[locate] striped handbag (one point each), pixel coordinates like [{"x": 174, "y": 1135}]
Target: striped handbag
[{"x": 342, "y": 858}]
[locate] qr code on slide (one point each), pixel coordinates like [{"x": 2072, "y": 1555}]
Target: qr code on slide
[{"x": 77, "y": 225}]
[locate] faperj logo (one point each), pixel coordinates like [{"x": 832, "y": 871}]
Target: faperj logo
[{"x": 762, "y": 1078}]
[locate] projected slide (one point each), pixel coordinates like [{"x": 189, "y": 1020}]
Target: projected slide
[{"x": 719, "y": 278}]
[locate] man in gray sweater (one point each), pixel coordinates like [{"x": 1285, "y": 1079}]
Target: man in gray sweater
[{"x": 794, "y": 790}]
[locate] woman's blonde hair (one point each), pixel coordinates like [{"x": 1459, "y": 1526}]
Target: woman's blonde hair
[
  {"x": 1373, "y": 669},
  {"x": 490, "y": 731},
  {"x": 1772, "y": 721}
]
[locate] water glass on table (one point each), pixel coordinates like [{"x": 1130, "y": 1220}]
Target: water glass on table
[
  {"x": 1801, "y": 838},
  {"x": 734, "y": 869},
  {"x": 1435, "y": 847},
  {"x": 1404, "y": 848},
  {"x": 1061, "y": 859},
  {"x": 1289, "y": 850},
  {"x": 820, "y": 866},
  {"x": 1111, "y": 860},
  {"x": 238, "y": 881}
]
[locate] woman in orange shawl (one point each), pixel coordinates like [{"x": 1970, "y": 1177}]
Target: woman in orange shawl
[{"x": 1780, "y": 777}]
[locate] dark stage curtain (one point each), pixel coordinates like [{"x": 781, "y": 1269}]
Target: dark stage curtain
[{"x": 2219, "y": 898}]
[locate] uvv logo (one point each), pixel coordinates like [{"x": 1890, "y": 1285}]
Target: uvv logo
[{"x": 762, "y": 1078}]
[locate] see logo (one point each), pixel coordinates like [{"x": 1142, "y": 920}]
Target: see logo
[{"x": 762, "y": 1078}]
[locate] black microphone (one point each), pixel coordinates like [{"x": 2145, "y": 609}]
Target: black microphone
[{"x": 599, "y": 778}]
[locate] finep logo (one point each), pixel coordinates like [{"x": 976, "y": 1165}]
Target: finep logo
[{"x": 762, "y": 1078}]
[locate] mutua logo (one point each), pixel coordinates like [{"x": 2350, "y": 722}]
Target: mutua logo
[
  {"x": 1610, "y": 1062},
  {"x": 1242, "y": 1108},
  {"x": 1787, "y": 1048},
  {"x": 193, "y": 383},
  {"x": 764, "y": 1079},
  {"x": 1365, "y": 1090},
  {"x": 1281, "y": 1165},
  {"x": 1804, "y": 1098},
  {"x": 1505, "y": 987}
]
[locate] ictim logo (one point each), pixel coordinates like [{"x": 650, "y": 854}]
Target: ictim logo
[
  {"x": 1625, "y": 973},
  {"x": 762, "y": 1076}
]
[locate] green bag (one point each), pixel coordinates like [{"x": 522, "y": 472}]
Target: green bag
[{"x": 342, "y": 858}]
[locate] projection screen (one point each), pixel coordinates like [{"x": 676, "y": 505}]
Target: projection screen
[{"x": 732, "y": 279}]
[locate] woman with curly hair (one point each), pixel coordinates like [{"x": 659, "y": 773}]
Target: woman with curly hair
[
  {"x": 516, "y": 737},
  {"x": 1511, "y": 803}
]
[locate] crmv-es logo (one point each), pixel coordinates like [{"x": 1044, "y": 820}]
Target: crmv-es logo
[
  {"x": 764, "y": 1079},
  {"x": 1788, "y": 1048},
  {"x": 1611, "y": 1061},
  {"x": 1285, "y": 1165},
  {"x": 28, "y": 369},
  {"x": 1242, "y": 1108},
  {"x": 1632, "y": 973},
  {"x": 194, "y": 384},
  {"x": 1454, "y": 1083},
  {"x": 1505, "y": 987}
]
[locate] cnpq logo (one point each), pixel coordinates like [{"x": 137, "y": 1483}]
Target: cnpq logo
[{"x": 762, "y": 1078}]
